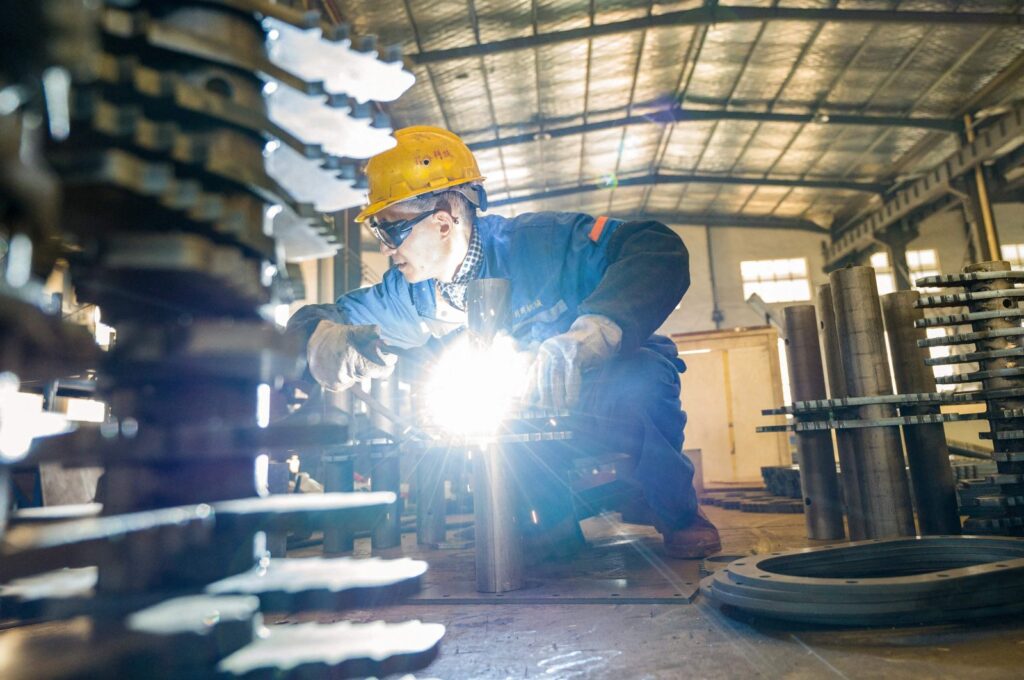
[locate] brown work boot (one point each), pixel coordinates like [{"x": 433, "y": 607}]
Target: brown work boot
[{"x": 698, "y": 540}]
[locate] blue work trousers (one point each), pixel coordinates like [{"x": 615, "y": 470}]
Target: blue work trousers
[{"x": 629, "y": 405}]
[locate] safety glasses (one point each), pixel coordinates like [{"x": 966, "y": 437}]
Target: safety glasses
[{"x": 393, "y": 234}]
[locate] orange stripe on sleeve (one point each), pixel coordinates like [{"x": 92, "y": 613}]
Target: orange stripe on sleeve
[{"x": 595, "y": 231}]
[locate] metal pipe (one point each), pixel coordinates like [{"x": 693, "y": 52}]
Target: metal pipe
[
  {"x": 527, "y": 194},
  {"x": 431, "y": 522},
  {"x": 881, "y": 471},
  {"x": 823, "y": 510},
  {"x": 386, "y": 476},
  {"x": 927, "y": 454},
  {"x": 989, "y": 238},
  {"x": 845, "y": 444},
  {"x": 338, "y": 476},
  {"x": 499, "y": 555}
]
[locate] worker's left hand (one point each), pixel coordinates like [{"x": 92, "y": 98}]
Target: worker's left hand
[{"x": 557, "y": 372}]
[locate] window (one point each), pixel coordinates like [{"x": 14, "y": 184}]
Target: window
[
  {"x": 776, "y": 280},
  {"x": 883, "y": 273},
  {"x": 920, "y": 263},
  {"x": 1014, "y": 254}
]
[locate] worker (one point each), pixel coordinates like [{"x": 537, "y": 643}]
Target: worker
[{"x": 587, "y": 292}]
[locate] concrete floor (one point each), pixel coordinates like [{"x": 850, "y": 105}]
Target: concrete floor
[{"x": 697, "y": 640}]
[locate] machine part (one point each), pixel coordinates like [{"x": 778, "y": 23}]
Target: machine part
[
  {"x": 823, "y": 512},
  {"x": 902, "y": 581},
  {"x": 318, "y": 584},
  {"x": 499, "y": 555},
  {"x": 431, "y": 520},
  {"x": 331, "y": 128},
  {"x": 341, "y": 69},
  {"x": 499, "y": 558},
  {"x": 345, "y": 649},
  {"x": 992, "y": 299},
  {"x": 867, "y": 424},
  {"x": 902, "y": 401},
  {"x": 927, "y": 454},
  {"x": 198, "y": 629},
  {"x": 339, "y": 475},
  {"x": 845, "y": 442},
  {"x": 881, "y": 474},
  {"x": 385, "y": 476}
]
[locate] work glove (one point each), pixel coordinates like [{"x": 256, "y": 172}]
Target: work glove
[
  {"x": 557, "y": 372},
  {"x": 340, "y": 355}
]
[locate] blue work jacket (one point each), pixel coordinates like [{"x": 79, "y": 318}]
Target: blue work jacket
[{"x": 560, "y": 265}]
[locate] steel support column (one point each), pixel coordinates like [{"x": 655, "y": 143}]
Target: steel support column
[
  {"x": 845, "y": 444},
  {"x": 927, "y": 454},
  {"x": 881, "y": 472},
  {"x": 981, "y": 207},
  {"x": 823, "y": 511}
]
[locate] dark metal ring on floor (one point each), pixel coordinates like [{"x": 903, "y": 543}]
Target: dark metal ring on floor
[{"x": 902, "y": 581}]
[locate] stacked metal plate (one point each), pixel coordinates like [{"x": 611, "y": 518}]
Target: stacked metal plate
[
  {"x": 990, "y": 336},
  {"x": 185, "y": 173}
]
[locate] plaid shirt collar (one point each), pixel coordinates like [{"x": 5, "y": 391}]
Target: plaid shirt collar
[{"x": 454, "y": 291}]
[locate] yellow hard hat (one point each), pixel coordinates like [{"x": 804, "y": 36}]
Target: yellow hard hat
[{"x": 426, "y": 159}]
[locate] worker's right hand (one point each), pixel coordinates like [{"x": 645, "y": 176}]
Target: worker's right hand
[{"x": 340, "y": 355}]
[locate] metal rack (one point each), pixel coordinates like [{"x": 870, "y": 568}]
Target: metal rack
[{"x": 187, "y": 175}]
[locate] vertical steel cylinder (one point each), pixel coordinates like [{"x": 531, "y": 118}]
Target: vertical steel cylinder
[
  {"x": 499, "y": 555},
  {"x": 384, "y": 476},
  {"x": 431, "y": 523},
  {"x": 338, "y": 476},
  {"x": 927, "y": 453},
  {"x": 823, "y": 510},
  {"x": 881, "y": 471},
  {"x": 845, "y": 444}
]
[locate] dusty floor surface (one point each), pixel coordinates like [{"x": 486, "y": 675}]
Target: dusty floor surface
[{"x": 696, "y": 640}]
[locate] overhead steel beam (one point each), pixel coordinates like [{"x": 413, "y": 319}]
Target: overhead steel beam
[
  {"x": 724, "y": 220},
  {"x": 646, "y": 180},
  {"x": 714, "y": 14},
  {"x": 993, "y": 141},
  {"x": 677, "y": 115}
]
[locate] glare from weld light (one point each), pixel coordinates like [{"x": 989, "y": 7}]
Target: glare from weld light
[
  {"x": 282, "y": 313},
  {"x": 263, "y": 405},
  {"x": 472, "y": 389},
  {"x": 19, "y": 260},
  {"x": 22, "y": 419},
  {"x": 261, "y": 471},
  {"x": 57, "y": 91}
]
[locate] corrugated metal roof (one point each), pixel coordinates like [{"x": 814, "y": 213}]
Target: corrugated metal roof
[{"x": 880, "y": 68}]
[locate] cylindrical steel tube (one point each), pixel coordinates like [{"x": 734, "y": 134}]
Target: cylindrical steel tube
[
  {"x": 431, "y": 523},
  {"x": 845, "y": 444},
  {"x": 823, "y": 510},
  {"x": 499, "y": 558},
  {"x": 881, "y": 471},
  {"x": 499, "y": 555},
  {"x": 338, "y": 476},
  {"x": 384, "y": 476},
  {"x": 930, "y": 471}
]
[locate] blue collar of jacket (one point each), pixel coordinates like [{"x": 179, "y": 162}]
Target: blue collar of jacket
[{"x": 492, "y": 235}]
